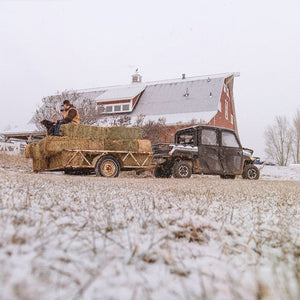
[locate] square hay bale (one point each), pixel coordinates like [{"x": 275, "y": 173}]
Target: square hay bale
[
  {"x": 121, "y": 145},
  {"x": 128, "y": 145},
  {"x": 40, "y": 164},
  {"x": 144, "y": 146},
  {"x": 29, "y": 150},
  {"x": 66, "y": 159},
  {"x": 53, "y": 145},
  {"x": 38, "y": 150},
  {"x": 100, "y": 133},
  {"x": 83, "y": 131},
  {"x": 124, "y": 133}
]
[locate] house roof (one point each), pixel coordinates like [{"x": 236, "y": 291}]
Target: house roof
[{"x": 24, "y": 132}]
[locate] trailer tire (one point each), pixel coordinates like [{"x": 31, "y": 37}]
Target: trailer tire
[
  {"x": 182, "y": 169},
  {"x": 107, "y": 166},
  {"x": 250, "y": 172}
]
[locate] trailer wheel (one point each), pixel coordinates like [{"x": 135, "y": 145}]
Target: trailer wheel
[
  {"x": 107, "y": 166},
  {"x": 182, "y": 169},
  {"x": 250, "y": 172}
]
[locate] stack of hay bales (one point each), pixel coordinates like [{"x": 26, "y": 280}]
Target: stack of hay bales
[{"x": 49, "y": 153}]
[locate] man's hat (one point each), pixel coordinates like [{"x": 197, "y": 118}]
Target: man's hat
[{"x": 66, "y": 102}]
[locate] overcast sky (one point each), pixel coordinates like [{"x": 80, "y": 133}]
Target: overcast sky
[{"x": 54, "y": 45}]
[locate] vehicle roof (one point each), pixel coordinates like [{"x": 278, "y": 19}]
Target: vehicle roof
[{"x": 202, "y": 126}]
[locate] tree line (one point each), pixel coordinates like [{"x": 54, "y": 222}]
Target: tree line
[{"x": 282, "y": 140}]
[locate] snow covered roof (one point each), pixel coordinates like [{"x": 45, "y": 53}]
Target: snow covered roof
[
  {"x": 23, "y": 132},
  {"x": 121, "y": 93},
  {"x": 182, "y": 97},
  {"x": 25, "y": 128},
  {"x": 176, "y": 100}
]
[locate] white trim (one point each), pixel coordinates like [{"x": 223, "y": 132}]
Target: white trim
[{"x": 226, "y": 109}]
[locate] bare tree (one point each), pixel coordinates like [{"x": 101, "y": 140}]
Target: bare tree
[
  {"x": 279, "y": 138},
  {"x": 155, "y": 131},
  {"x": 51, "y": 108},
  {"x": 296, "y": 150},
  {"x": 119, "y": 120}
]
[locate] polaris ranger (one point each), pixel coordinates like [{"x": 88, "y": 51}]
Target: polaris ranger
[{"x": 204, "y": 150}]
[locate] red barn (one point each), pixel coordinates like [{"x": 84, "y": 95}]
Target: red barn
[{"x": 181, "y": 102}]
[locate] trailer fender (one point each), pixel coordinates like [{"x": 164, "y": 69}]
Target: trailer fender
[{"x": 95, "y": 159}]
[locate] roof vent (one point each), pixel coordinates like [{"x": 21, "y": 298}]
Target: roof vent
[
  {"x": 183, "y": 76},
  {"x": 136, "y": 78},
  {"x": 208, "y": 79}
]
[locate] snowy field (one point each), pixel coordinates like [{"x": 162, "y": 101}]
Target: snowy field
[{"x": 78, "y": 237}]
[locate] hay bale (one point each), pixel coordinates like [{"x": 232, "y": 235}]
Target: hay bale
[
  {"x": 121, "y": 145},
  {"x": 53, "y": 145},
  {"x": 66, "y": 159},
  {"x": 29, "y": 150},
  {"x": 38, "y": 150},
  {"x": 41, "y": 164},
  {"x": 128, "y": 145},
  {"x": 124, "y": 133},
  {"x": 83, "y": 131},
  {"x": 100, "y": 133},
  {"x": 144, "y": 146}
]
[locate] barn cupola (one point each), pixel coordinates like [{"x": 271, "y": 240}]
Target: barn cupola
[{"x": 136, "y": 78}]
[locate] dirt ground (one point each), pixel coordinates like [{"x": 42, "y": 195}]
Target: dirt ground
[{"x": 80, "y": 237}]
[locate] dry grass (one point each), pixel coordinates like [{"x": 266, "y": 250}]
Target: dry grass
[
  {"x": 15, "y": 162},
  {"x": 128, "y": 238}
]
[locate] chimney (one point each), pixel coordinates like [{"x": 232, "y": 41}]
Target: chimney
[
  {"x": 136, "y": 78},
  {"x": 183, "y": 76}
]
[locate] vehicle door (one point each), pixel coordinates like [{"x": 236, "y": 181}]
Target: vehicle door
[
  {"x": 208, "y": 148},
  {"x": 231, "y": 153}
]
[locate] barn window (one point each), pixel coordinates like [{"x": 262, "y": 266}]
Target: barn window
[
  {"x": 231, "y": 119},
  {"x": 108, "y": 109},
  {"x": 117, "y": 108},
  {"x": 125, "y": 107},
  {"x": 226, "y": 109}
]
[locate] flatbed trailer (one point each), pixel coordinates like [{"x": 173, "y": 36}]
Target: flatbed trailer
[{"x": 106, "y": 163}]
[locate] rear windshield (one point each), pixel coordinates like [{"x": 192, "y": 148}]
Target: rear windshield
[{"x": 185, "y": 138}]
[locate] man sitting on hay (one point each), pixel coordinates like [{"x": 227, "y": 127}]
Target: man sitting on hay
[{"x": 70, "y": 115}]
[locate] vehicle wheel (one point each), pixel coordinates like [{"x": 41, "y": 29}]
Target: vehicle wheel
[
  {"x": 107, "y": 166},
  {"x": 182, "y": 169},
  {"x": 250, "y": 172},
  {"x": 227, "y": 176},
  {"x": 162, "y": 173}
]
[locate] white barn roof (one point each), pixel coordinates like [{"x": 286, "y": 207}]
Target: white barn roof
[{"x": 176, "y": 100}]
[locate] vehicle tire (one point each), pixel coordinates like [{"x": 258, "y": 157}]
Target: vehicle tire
[
  {"x": 162, "y": 173},
  {"x": 182, "y": 169},
  {"x": 227, "y": 176},
  {"x": 107, "y": 166},
  {"x": 250, "y": 172}
]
